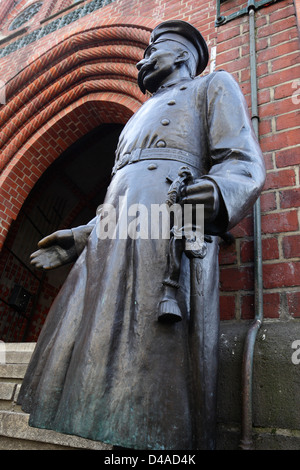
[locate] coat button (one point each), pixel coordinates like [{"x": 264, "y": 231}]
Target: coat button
[
  {"x": 171, "y": 102},
  {"x": 183, "y": 87},
  {"x": 152, "y": 166},
  {"x": 161, "y": 143},
  {"x": 165, "y": 122}
]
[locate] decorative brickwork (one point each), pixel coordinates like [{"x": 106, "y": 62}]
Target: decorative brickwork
[
  {"x": 106, "y": 88},
  {"x": 51, "y": 27},
  {"x": 25, "y": 16}
]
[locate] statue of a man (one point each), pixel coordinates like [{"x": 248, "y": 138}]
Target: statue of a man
[{"x": 104, "y": 367}]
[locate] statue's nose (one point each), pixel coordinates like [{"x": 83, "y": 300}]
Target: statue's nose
[{"x": 140, "y": 64}]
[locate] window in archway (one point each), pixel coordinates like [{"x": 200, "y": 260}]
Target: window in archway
[
  {"x": 25, "y": 16},
  {"x": 52, "y": 26}
]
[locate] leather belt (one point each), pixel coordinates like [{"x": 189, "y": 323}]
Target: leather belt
[{"x": 158, "y": 154}]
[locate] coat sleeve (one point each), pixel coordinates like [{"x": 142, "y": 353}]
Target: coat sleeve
[
  {"x": 237, "y": 165},
  {"x": 81, "y": 235}
]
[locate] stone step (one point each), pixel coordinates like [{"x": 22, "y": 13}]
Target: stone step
[
  {"x": 18, "y": 353},
  {"x": 14, "y": 425},
  {"x": 12, "y": 371},
  {"x": 7, "y": 390},
  {"x": 14, "y": 359},
  {"x": 15, "y": 432}
]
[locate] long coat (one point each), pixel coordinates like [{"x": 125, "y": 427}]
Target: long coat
[{"x": 104, "y": 368}]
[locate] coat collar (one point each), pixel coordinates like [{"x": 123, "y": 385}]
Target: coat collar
[{"x": 172, "y": 83}]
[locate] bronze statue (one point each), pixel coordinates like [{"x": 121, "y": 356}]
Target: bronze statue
[{"x": 105, "y": 368}]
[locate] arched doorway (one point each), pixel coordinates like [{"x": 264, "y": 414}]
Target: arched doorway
[
  {"x": 67, "y": 91},
  {"x": 64, "y": 91},
  {"x": 67, "y": 195}
]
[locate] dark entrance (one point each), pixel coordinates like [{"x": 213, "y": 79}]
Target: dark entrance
[{"x": 67, "y": 195}]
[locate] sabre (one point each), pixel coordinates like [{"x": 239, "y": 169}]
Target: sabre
[{"x": 195, "y": 247}]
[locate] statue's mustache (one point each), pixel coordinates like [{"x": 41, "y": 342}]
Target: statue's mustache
[{"x": 148, "y": 66}]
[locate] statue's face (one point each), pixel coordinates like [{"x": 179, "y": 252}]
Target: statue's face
[{"x": 159, "y": 62}]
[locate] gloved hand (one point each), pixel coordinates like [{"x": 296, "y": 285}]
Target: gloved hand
[{"x": 203, "y": 191}]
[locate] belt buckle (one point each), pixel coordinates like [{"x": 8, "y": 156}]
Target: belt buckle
[
  {"x": 122, "y": 162},
  {"x": 135, "y": 156}
]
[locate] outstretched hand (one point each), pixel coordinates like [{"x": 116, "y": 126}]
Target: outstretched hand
[{"x": 55, "y": 250}]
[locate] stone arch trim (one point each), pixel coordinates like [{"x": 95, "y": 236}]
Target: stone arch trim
[{"x": 98, "y": 80}]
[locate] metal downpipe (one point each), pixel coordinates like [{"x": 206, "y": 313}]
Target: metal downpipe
[{"x": 246, "y": 442}]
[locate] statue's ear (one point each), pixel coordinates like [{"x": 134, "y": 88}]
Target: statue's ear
[{"x": 183, "y": 56}]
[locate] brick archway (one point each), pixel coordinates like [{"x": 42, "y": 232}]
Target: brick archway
[{"x": 87, "y": 79}]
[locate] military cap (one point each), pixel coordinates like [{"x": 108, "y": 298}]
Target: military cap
[{"x": 187, "y": 35}]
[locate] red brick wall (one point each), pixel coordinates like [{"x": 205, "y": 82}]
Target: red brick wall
[
  {"x": 278, "y": 98},
  {"x": 12, "y": 323},
  {"x": 87, "y": 69}
]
